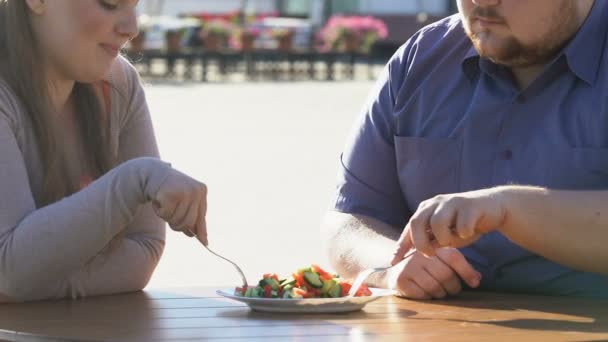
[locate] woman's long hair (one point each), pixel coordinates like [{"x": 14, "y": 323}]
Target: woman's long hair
[{"x": 23, "y": 72}]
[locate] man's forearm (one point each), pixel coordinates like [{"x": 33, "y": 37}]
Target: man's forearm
[
  {"x": 569, "y": 227},
  {"x": 357, "y": 242}
]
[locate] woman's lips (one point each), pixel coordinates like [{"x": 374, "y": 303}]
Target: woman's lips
[{"x": 112, "y": 50}]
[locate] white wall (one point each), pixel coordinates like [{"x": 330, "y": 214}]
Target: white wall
[
  {"x": 404, "y": 6},
  {"x": 174, "y": 7}
]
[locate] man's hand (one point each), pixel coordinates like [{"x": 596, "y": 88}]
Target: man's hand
[
  {"x": 455, "y": 220},
  {"x": 421, "y": 277}
]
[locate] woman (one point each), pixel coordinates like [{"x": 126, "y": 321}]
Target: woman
[{"x": 82, "y": 191}]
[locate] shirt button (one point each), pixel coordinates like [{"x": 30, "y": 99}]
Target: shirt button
[
  {"x": 507, "y": 154},
  {"x": 500, "y": 274}
]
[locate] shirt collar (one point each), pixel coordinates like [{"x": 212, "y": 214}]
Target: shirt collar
[
  {"x": 470, "y": 63},
  {"x": 583, "y": 52}
]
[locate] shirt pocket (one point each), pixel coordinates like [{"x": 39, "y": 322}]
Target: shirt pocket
[
  {"x": 427, "y": 167},
  {"x": 577, "y": 169}
]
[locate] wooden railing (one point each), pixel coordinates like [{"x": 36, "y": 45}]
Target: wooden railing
[{"x": 254, "y": 64}]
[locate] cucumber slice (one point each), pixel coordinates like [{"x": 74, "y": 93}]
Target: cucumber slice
[
  {"x": 269, "y": 281},
  {"x": 257, "y": 292},
  {"x": 313, "y": 279},
  {"x": 292, "y": 294},
  {"x": 335, "y": 291},
  {"x": 305, "y": 269},
  {"x": 273, "y": 283},
  {"x": 288, "y": 281},
  {"x": 327, "y": 285}
]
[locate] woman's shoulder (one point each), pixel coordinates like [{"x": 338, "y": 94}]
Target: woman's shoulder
[
  {"x": 123, "y": 76},
  {"x": 9, "y": 102}
]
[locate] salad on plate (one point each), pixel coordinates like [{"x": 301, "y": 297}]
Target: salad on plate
[{"x": 308, "y": 282}]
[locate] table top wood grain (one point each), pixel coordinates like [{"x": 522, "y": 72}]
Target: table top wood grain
[{"x": 200, "y": 314}]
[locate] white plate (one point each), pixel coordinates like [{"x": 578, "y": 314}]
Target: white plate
[{"x": 308, "y": 305}]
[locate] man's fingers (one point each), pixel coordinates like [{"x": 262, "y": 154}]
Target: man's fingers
[
  {"x": 453, "y": 258},
  {"x": 445, "y": 276},
  {"x": 410, "y": 289},
  {"x": 440, "y": 224},
  {"x": 465, "y": 224},
  {"x": 429, "y": 284},
  {"x": 419, "y": 226},
  {"x": 404, "y": 244}
]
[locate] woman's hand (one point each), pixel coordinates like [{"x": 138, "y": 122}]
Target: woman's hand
[
  {"x": 421, "y": 277},
  {"x": 182, "y": 202},
  {"x": 454, "y": 220}
]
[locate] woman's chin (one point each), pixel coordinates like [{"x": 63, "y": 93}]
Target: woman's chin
[{"x": 93, "y": 76}]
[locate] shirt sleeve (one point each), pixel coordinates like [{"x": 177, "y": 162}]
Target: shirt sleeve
[
  {"x": 101, "y": 239},
  {"x": 368, "y": 182},
  {"x": 128, "y": 261}
]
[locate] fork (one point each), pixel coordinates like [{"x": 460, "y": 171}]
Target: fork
[
  {"x": 226, "y": 259},
  {"x": 363, "y": 275}
]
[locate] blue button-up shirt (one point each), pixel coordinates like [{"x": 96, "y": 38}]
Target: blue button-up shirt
[{"x": 444, "y": 120}]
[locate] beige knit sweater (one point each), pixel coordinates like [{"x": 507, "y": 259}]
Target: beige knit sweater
[{"x": 61, "y": 250}]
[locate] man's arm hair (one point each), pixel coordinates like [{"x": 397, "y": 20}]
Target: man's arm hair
[
  {"x": 357, "y": 242},
  {"x": 569, "y": 227}
]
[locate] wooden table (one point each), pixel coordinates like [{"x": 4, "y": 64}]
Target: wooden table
[{"x": 199, "y": 314}]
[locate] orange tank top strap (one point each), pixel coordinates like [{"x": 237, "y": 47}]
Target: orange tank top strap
[{"x": 86, "y": 178}]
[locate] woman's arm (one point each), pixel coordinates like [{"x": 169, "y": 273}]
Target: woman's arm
[
  {"x": 41, "y": 248},
  {"x": 127, "y": 263},
  {"x": 62, "y": 249}
]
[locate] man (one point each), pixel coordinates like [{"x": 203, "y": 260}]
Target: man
[{"x": 507, "y": 92}]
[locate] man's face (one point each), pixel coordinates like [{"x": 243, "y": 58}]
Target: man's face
[{"x": 520, "y": 33}]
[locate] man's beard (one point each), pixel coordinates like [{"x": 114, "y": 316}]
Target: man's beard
[{"x": 513, "y": 53}]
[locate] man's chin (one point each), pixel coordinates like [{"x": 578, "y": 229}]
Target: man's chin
[
  {"x": 500, "y": 53},
  {"x": 489, "y": 52}
]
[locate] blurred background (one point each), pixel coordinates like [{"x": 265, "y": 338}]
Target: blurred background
[{"x": 256, "y": 99}]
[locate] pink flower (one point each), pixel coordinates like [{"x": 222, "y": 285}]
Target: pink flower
[{"x": 364, "y": 29}]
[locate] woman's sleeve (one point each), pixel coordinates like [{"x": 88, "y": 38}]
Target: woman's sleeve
[
  {"x": 129, "y": 260},
  {"x": 63, "y": 249}
]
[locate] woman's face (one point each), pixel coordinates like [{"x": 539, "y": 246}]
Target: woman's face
[{"x": 79, "y": 39}]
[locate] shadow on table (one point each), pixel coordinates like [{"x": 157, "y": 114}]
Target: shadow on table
[
  {"x": 374, "y": 321},
  {"x": 585, "y": 314},
  {"x": 375, "y": 311},
  {"x": 184, "y": 313}
]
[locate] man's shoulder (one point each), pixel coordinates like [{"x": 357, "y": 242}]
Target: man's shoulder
[
  {"x": 442, "y": 29},
  {"x": 441, "y": 44},
  {"x": 440, "y": 37}
]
